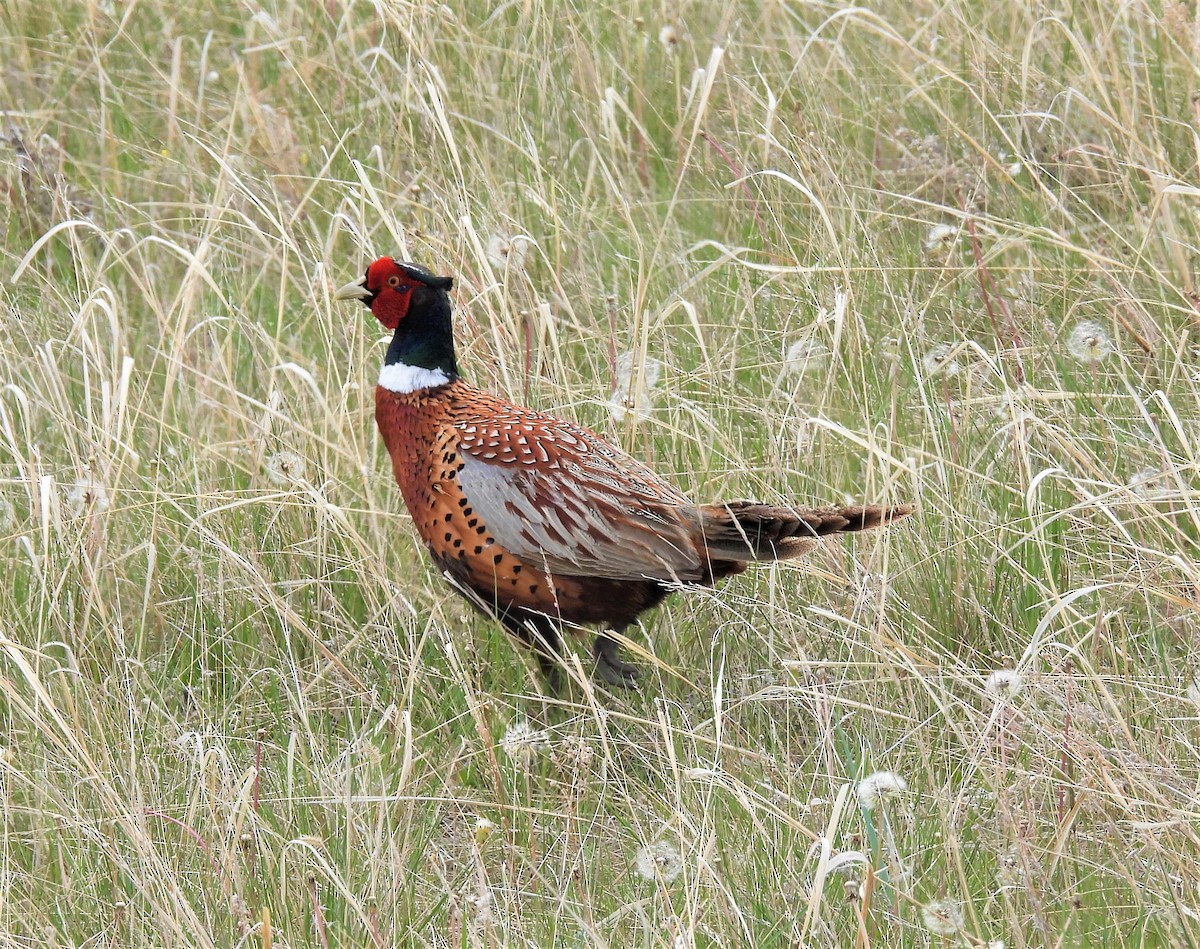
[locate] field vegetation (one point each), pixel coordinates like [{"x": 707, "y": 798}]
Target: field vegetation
[{"x": 943, "y": 253}]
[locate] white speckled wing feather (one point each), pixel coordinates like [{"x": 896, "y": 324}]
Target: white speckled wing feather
[{"x": 562, "y": 498}]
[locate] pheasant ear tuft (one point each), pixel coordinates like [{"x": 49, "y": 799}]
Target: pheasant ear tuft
[{"x": 427, "y": 277}]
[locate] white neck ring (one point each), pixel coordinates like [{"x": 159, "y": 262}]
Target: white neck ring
[{"x": 397, "y": 377}]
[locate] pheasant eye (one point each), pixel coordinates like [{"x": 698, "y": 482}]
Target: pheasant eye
[{"x": 393, "y": 281}]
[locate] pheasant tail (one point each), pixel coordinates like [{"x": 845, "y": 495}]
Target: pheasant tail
[{"x": 744, "y": 530}]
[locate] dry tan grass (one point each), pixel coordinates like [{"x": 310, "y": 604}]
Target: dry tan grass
[{"x": 238, "y": 707}]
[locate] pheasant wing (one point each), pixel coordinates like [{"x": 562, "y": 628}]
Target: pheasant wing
[{"x": 564, "y": 499}]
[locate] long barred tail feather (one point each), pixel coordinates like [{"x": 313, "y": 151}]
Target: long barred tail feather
[{"x": 745, "y": 530}]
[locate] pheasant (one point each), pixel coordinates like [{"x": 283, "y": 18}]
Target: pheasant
[{"x": 538, "y": 520}]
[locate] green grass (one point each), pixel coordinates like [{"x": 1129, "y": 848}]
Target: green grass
[{"x": 240, "y": 708}]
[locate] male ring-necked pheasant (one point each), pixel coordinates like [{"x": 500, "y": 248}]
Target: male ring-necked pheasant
[{"x": 537, "y": 519}]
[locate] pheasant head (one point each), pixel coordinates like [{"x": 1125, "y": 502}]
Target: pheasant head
[
  {"x": 388, "y": 287},
  {"x": 414, "y": 304}
]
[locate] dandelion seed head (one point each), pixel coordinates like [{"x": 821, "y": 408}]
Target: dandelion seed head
[
  {"x": 480, "y": 900},
  {"x": 285, "y": 468},
  {"x": 634, "y": 391},
  {"x": 87, "y": 496},
  {"x": 651, "y": 369},
  {"x": 1003, "y": 684},
  {"x": 940, "y": 238},
  {"x": 660, "y": 860},
  {"x": 878, "y": 787},
  {"x": 942, "y": 917},
  {"x": 668, "y": 36},
  {"x": 940, "y": 361},
  {"x": 1148, "y": 484},
  {"x": 1089, "y": 342},
  {"x": 507, "y": 253},
  {"x": 1008, "y": 873},
  {"x": 806, "y": 355},
  {"x": 483, "y": 830},
  {"x": 522, "y": 742}
]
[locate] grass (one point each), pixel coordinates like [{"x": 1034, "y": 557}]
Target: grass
[{"x": 237, "y": 706}]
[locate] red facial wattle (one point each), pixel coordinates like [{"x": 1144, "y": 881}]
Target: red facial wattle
[
  {"x": 391, "y": 291},
  {"x": 386, "y": 291}
]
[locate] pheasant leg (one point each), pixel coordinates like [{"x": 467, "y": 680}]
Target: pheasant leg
[{"x": 609, "y": 664}]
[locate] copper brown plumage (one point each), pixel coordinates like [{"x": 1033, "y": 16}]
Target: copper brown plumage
[{"x": 538, "y": 520}]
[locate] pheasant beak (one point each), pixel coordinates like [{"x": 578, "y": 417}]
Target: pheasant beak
[{"x": 355, "y": 291}]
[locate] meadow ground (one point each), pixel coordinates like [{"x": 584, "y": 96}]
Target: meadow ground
[{"x": 932, "y": 252}]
